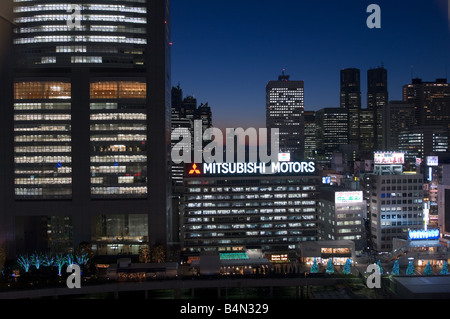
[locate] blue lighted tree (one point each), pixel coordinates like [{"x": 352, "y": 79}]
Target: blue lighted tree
[
  {"x": 48, "y": 260},
  {"x": 410, "y": 269},
  {"x": 24, "y": 261},
  {"x": 444, "y": 270},
  {"x": 314, "y": 267},
  {"x": 60, "y": 261},
  {"x": 70, "y": 259},
  {"x": 82, "y": 259},
  {"x": 347, "y": 270},
  {"x": 37, "y": 259},
  {"x": 381, "y": 268},
  {"x": 396, "y": 269},
  {"x": 330, "y": 268},
  {"x": 428, "y": 270}
]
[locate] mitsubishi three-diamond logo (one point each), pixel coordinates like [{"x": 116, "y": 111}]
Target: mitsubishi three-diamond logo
[{"x": 194, "y": 170}]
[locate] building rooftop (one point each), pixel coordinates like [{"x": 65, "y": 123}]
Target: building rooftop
[{"x": 435, "y": 287}]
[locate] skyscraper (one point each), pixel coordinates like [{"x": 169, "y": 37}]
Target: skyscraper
[
  {"x": 397, "y": 116},
  {"x": 367, "y": 132},
  {"x": 284, "y": 111},
  {"x": 310, "y": 135},
  {"x": 422, "y": 141},
  {"x": 332, "y": 130},
  {"x": 377, "y": 98},
  {"x": 350, "y": 100},
  {"x": 90, "y": 109},
  {"x": 184, "y": 113},
  {"x": 431, "y": 101}
]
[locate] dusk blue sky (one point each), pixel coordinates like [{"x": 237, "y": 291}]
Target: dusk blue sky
[{"x": 225, "y": 52}]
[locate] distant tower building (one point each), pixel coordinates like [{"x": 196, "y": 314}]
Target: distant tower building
[
  {"x": 377, "y": 98},
  {"x": 184, "y": 113},
  {"x": 351, "y": 101},
  {"x": 366, "y": 130},
  {"x": 431, "y": 101},
  {"x": 422, "y": 141},
  {"x": 332, "y": 130},
  {"x": 204, "y": 114},
  {"x": 284, "y": 111},
  {"x": 310, "y": 135},
  {"x": 397, "y": 116}
]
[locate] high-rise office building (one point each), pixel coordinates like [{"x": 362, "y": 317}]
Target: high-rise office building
[
  {"x": 184, "y": 114},
  {"x": 366, "y": 131},
  {"x": 332, "y": 130},
  {"x": 397, "y": 116},
  {"x": 230, "y": 208},
  {"x": 422, "y": 141},
  {"x": 431, "y": 101},
  {"x": 285, "y": 111},
  {"x": 310, "y": 135},
  {"x": 341, "y": 214},
  {"x": 377, "y": 98},
  {"x": 89, "y": 103},
  {"x": 395, "y": 201},
  {"x": 183, "y": 122},
  {"x": 350, "y": 100}
]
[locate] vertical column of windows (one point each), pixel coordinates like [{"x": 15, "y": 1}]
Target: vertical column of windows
[
  {"x": 118, "y": 139},
  {"x": 42, "y": 140}
]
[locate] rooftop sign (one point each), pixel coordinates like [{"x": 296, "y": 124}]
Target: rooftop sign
[
  {"x": 423, "y": 234},
  {"x": 348, "y": 197},
  {"x": 389, "y": 158},
  {"x": 277, "y": 168},
  {"x": 432, "y": 161}
]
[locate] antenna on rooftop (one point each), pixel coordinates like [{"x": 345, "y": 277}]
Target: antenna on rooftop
[{"x": 283, "y": 76}]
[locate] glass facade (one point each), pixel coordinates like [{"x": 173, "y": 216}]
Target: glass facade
[
  {"x": 80, "y": 109},
  {"x": 81, "y": 33},
  {"x": 42, "y": 140},
  {"x": 52, "y": 234},
  {"x": 118, "y": 139},
  {"x": 120, "y": 234},
  {"x": 332, "y": 130}
]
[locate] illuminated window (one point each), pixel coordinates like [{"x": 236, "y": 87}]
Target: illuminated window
[
  {"x": 86, "y": 59},
  {"x": 42, "y": 90},
  {"x": 118, "y": 90}
]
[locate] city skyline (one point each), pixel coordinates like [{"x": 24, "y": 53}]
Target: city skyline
[{"x": 229, "y": 62}]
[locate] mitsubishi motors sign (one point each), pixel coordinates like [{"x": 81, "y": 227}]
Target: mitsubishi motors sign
[{"x": 277, "y": 168}]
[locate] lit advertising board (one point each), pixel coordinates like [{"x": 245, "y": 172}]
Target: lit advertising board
[
  {"x": 432, "y": 161},
  {"x": 423, "y": 234},
  {"x": 284, "y": 157},
  {"x": 387, "y": 158},
  {"x": 230, "y": 169},
  {"x": 348, "y": 197}
]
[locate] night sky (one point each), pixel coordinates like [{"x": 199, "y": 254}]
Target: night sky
[{"x": 225, "y": 52}]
